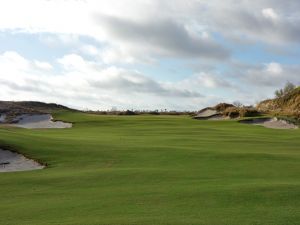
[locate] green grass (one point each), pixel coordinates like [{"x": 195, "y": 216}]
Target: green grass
[{"x": 153, "y": 170}]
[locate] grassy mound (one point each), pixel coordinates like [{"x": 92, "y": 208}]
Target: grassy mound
[{"x": 12, "y": 109}]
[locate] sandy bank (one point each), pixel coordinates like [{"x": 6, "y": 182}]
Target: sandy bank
[
  {"x": 273, "y": 123},
  {"x": 12, "y": 161},
  {"x": 38, "y": 121}
]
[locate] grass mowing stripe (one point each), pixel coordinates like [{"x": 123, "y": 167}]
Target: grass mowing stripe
[{"x": 149, "y": 170}]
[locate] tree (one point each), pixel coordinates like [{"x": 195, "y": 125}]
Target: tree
[
  {"x": 287, "y": 89},
  {"x": 237, "y": 104}
]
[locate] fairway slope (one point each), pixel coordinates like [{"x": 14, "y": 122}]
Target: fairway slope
[{"x": 153, "y": 170}]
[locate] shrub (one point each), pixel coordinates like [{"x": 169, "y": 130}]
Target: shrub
[
  {"x": 288, "y": 88},
  {"x": 221, "y": 107},
  {"x": 234, "y": 112}
]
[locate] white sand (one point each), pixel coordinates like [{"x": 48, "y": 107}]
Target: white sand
[
  {"x": 207, "y": 113},
  {"x": 273, "y": 123},
  {"x": 2, "y": 118},
  {"x": 39, "y": 121},
  {"x": 219, "y": 117},
  {"x": 11, "y": 162}
]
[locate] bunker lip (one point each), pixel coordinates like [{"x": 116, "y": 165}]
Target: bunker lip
[
  {"x": 12, "y": 161},
  {"x": 39, "y": 121},
  {"x": 273, "y": 123},
  {"x": 219, "y": 117}
]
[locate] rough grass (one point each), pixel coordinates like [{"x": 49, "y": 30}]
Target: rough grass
[
  {"x": 287, "y": 105},
  {"x": 153, "y": 170}
]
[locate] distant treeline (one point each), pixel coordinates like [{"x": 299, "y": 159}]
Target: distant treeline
[{"x": 141, "y": 112}]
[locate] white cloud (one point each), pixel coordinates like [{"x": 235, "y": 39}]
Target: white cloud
[
  {"x": 134, "y": 28},
  {"x": 269, "y": 13},
  {"x": 89, "y": 50},
  {"x": 127, "y": 28},
  {"x": 73, "y": 62},
  {"x": 85, "y": 83},
  {"x": 265, "y": 78},
  {"x": 209, "y": 81},
  {"x": 274, "y": 68},
  {"x": 13, "y": 61},
  {"x": 114, "y": 54},
  {"x": 206, "y": 80},
  {"x": 126, "y": 31},
  {"x": 42, "y": 65}
]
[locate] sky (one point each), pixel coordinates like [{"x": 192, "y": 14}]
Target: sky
[{"x": 147, "y": 54}]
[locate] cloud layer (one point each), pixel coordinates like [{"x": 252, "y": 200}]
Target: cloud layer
[
  {"x": 86, "y": 83},
  {"x": 101, "y": 53}
]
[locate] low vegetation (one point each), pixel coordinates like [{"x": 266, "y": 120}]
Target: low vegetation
[
  {"x": 288, "y": 88},
  {"x": 139, "y": 112},
  {"x": 233, "y": 110},
  {"x": 243, "y": 111},
  {"x": 287, "y": 102}
]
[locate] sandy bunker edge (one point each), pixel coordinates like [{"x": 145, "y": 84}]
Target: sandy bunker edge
[
  {"x": 273, "y": 123},
  {"x": 11, "y": 161},
  {"x": 36, "y": 121}
]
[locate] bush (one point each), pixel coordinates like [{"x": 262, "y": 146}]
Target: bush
[
  {"x": 221, "y": 107},
  {"x": 288, "y": 88},
  {"x": 234, "y": 112}
]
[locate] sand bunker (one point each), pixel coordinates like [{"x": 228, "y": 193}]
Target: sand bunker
[
  {"x": 12, "y": 161},
  {"x": 2, "y": 118},
  {"x": 219, "y": 117},
  {"x": 207, "y": 113},
  {"x": 273, "y": 123},
  {"x": 38, "y": 121},
  {"x": 210, "y": 114}
]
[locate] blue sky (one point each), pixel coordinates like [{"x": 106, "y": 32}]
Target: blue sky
[{"x": 159, "y": 54}]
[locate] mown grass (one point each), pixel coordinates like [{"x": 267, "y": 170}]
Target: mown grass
[{"x": 153, "y": 170}]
